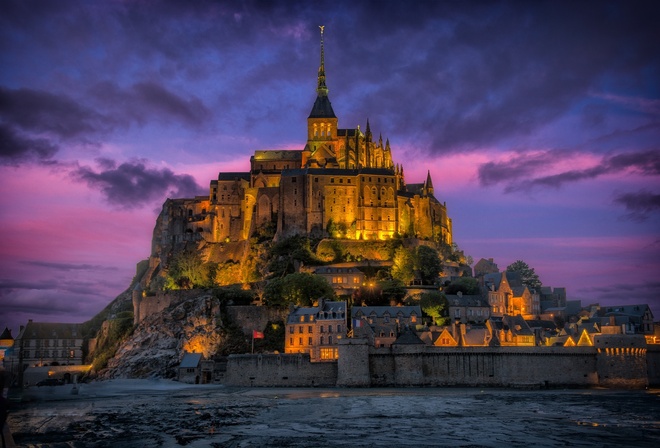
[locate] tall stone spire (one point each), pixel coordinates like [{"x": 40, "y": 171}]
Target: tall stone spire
[
  {"x": 321, "y": 88},
  {"x": 322, "y": 107}
]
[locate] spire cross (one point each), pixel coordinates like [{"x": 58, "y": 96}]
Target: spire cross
[{"x": 321, "y": 88}]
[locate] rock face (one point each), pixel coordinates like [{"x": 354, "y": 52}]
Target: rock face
[{"x": 157, "y": 345}]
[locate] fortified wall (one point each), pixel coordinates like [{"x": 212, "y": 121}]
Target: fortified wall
[
  {"x": 279, "y": 371},
  {"x": 360, "y": 365}
]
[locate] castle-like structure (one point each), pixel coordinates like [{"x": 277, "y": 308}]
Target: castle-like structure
[{"x": 343, "y": 184}]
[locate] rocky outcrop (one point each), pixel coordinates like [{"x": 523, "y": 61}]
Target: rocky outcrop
[{"x": 158, "y": 343}]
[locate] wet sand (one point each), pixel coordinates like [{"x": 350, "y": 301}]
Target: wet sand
[{"x": 145, "y": 414}]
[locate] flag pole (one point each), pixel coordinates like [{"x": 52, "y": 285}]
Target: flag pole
[{"x": 253, "y": 342}]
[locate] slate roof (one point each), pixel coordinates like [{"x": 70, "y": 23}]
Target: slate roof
[
  {"x": 467, "y": 300},
  {"x": 408, "y": 337},
  {"x": 190, "y": 360},
  {"x": 322, "y": 108},
  {"x": 380, "y": 311},
  {"x": 49, "y": 330},
  {"x": 6, "y": 334},
  {"x": 513, "y": 278},
  {"x": 233, "y": 176},
  {"x": 312, "y": 313},
  {"x": 475, "y": 336},
  {"x": 623, "y": 310}
]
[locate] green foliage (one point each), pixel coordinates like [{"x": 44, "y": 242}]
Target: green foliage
[
  {"x": 106, "y": 347},
  {"x": 403, "y": 268},
  {"x": 300, "y": 289},
  {"x": 234, "y": 295},
  {"x": 424, "y": 260},
  {"x": 434, "y": 304},
  {"x": 273, "y": 340},
  {"x": 465, "y": 285},
  {"x": 187, "y": 270},
  {"x": 528, "y": 276},
  {"x": 380, "y": 293},
  {"x": 427, "y": 263},
  {"x": 330, "y": 251},
  {"x": 235, "y": 340},
  {"x": 285, "y": 254}
]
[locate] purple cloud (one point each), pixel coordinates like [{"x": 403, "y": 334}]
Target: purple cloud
[
  {"x": 640, "y": 205},
  {"x": 134, "y": 184}
]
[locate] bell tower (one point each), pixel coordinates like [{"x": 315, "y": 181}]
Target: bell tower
[{"x": 322, "y": 142}]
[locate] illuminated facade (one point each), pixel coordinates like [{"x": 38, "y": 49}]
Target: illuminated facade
[
  {"x": 316, "y": 330},
  {"x": 507, "y": 295},
  {"x": 343, "y": 183}
]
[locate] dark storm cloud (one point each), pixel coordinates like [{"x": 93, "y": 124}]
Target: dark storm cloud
[
  {"x": 68, "y": 266},
  {"x": 45, "y": 112},
  {"x": 133, "y": 184},
  {"x": 15, "y": 148},
  {"x": 640, "y": 205},
  {"x": 524, "y": 167},
  {"x": 148, "y": 101}
]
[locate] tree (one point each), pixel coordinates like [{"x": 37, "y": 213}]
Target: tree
[
  {"x": 427, "y": 262},
  {"x": 527, "y": 275},
  {"x": 187, "y": 270},
  {"x": 466, "y": 285},
  {"x": 403, "y": 265},
  {"x": 434, "y": 304},
  {"x": 300, "y": 289}
]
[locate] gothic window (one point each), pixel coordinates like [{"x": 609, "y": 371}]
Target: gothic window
[
  {"x": 290, "y": 341},
  {"x": 309, "y": 340},
  {"x": 321, "y": 340},
  {"x": 338, "y": 328},
  {"x": 330, "y": 340}
]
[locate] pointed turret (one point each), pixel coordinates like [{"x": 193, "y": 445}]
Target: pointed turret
[{"x": 428, "y": 185}]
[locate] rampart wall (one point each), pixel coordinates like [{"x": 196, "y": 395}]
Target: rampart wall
[
  {"x": 360, "y": 365},
  {"x": 472, "y": 366},
  {"x": 279, "y": 371}
]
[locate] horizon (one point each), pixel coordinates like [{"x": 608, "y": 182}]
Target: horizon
[{"x": 539, "y": 124}]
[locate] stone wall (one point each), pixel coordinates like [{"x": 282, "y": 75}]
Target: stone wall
[
  {"x": 255, "y": 317},
  {"x": 622, "y": 361},
  {"x": 279, "y": 371},
  {"x": 146, "y": 306},
  {"x": 360, "y": 365},
  {"x": 653, "y": 364}
]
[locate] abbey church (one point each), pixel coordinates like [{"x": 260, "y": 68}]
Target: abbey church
[{"x": 344, "y": 184}]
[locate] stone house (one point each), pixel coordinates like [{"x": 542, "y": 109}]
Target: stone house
[
  {"x": 507, "y": 295},
  {"x": 633, "y": 319},
  {"x": 316, "y": 330},
  {"x": 485, "y": 266},
  {"x": 343, "y": 279},
  {"x": 468, "y": 308},
  {"x": 513, "y": 331},
  {"x": 194, "y": 369},
  {"x": 48, "y": 344},
  {"x": 382, "y": 325}
]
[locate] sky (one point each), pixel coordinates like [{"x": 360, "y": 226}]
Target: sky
[{"x": 538, "y": 121}]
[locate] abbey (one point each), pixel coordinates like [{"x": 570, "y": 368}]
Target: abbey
[{"x": 342, "y": 184}]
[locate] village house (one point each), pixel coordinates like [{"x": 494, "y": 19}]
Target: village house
[
  {"x": 6, "y": 343},
  {"x": 382, "y": 325},
  {"x": 343, "y": 279},
  {"x": 468, "y": 308},
  {"x": 48, "y": 344},
  {"x": 316, "y": 330},
  {"x": 507, "y": 295},
  {"x": 632, "y": 319}
]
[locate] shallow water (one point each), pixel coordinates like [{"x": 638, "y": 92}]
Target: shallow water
[{"x": 167, "y": 414}]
